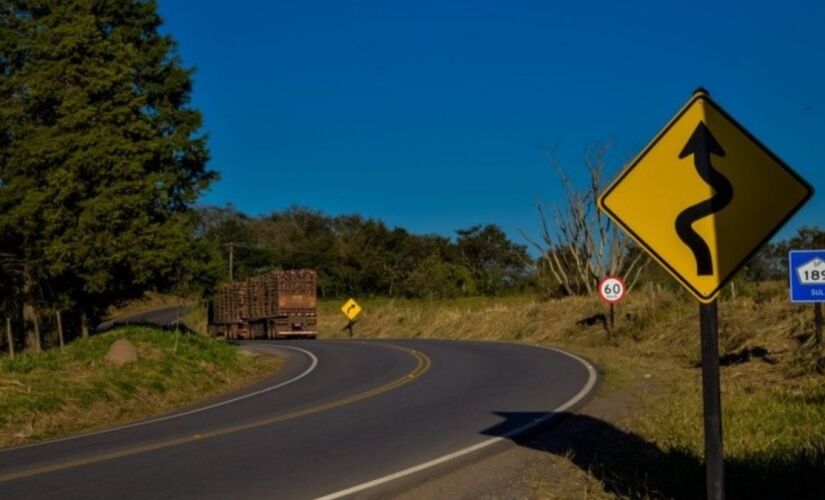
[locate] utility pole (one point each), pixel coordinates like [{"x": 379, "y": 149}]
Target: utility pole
[
  {"x": 59, "y": 328},
  {"x": 232, "y": 262},
  {"x": 231, "y": 246},
  {"x": 9, "y": 337}
]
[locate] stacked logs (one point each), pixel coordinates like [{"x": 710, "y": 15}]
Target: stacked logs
[
  {"x": 230, "y": 305},
  {"x": 296, "y": 289},
  {"x": 262, "y": 297}
]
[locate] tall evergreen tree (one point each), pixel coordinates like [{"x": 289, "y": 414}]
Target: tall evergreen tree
[{"x": 100, "y": 157}]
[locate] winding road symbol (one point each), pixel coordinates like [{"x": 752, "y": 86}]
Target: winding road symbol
[
  {"x": 691, "y": 224},
  {"x": 701, "y": 145}
]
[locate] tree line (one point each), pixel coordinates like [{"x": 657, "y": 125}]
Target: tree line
[{"x": 359, "y": 256}]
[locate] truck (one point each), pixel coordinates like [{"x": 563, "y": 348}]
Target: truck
[{"x": 275, "y": 305}]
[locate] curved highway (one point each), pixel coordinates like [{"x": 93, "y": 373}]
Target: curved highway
[
  {"x": 340, "y": 418},
  {"x": 167, "y": 316}
]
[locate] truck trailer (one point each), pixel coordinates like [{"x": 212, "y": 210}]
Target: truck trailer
[{"x": 275, "y": 305}]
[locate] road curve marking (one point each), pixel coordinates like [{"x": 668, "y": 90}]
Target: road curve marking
[
  {"x": 591, "y": 382},
  {"x": 422, "y": 366},
  {"x": 310, "y": 369}
]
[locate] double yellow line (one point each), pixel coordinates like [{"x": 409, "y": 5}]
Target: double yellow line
[{"x": 423, "y": 364}]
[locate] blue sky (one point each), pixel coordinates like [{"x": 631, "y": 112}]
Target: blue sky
[{"x": 433, "y": 115}]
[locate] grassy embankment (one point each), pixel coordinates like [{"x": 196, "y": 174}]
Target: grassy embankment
[
  {"x": 63, "y": 391},
  {"x": 773, "y": 384}
]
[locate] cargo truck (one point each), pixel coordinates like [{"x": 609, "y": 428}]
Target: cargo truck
[{"x": 276, "y": 305}]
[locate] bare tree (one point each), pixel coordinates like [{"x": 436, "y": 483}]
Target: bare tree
[{"x": 579, "y": 244}]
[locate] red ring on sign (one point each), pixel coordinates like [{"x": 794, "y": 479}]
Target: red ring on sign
[{"x": 607, "y": 300}]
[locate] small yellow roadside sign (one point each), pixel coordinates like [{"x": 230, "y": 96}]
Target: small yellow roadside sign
[
  {"x": 351, "y": 309},
  {"x": 703, "y": 196}
]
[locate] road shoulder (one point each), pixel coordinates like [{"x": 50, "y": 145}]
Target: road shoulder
[{"x": 548, "y": 463}]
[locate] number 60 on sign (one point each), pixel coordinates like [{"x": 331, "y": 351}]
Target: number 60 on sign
[{"x": 612, "y": 289}]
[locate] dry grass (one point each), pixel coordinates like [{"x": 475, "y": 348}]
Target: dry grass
[{"x": 196, "y": 319}]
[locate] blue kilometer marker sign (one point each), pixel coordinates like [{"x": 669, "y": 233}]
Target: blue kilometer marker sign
[{"x": 807, "y": 275}]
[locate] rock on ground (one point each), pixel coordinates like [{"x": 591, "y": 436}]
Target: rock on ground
[{"x": 121, "y": 352}]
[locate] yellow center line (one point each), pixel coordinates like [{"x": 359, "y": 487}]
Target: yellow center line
[{"x": 423, "y": 364}]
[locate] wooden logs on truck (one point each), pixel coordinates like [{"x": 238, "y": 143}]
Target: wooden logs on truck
[
  {"x": 296, "y": 289},
  {"x": 230, "y": 305},
  {"x": 273, "y": 305}
]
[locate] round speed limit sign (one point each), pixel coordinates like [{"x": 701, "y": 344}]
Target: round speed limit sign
[{"x": 612, "y": 289}]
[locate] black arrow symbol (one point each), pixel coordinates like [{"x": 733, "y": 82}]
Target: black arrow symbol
[
  {"x": 701, "y": 145},
  {"x": 351, "y": 307}
]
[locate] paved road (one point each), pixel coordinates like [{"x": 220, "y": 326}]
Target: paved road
[
  {"x": 354, "y": 412},
  {"x": 163, "y": 316}
]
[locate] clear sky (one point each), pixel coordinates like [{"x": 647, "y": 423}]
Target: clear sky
[{"x": 433, "y": 115}]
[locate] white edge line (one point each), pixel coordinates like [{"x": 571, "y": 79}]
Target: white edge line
[
  {"x": 298, "y": 377},
  {"x": 591, "y": 381}
]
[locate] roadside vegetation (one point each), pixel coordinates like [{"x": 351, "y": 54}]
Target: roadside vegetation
[
  {"x": 356, "y": 255},
  {"x": 652, "y": 446},
  {"x": 59, "y": 392},
  {"x": 102, "y": 158}
]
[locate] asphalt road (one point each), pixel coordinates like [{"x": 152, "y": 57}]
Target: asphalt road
[
  {"x": 351, "y": 412},
  {"x": 163, "y": 316}
]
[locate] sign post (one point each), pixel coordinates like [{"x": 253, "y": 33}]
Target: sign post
[
  {"x": 806, "y": 273},
  {"x": 351, "y": 310},
  {"x": 612, "y": 290},
  {"x": 701, "y": 199},
  {"x": 712, "y": 400}
]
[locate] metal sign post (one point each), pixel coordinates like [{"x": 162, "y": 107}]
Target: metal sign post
[
  {"x": 612, "y": 316},
  {"x": 806, "y": 277},
  {"x": 351, "y": 310},
  {"x": 712, "y": 401},
  {"x": 612, "y": 290},
  {"x": 350, "y": 328}
]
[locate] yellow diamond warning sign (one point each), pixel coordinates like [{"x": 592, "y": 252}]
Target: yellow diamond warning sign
[
  {"x": 703, "y": 196},
  {"x": 351, "y": 309}
]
